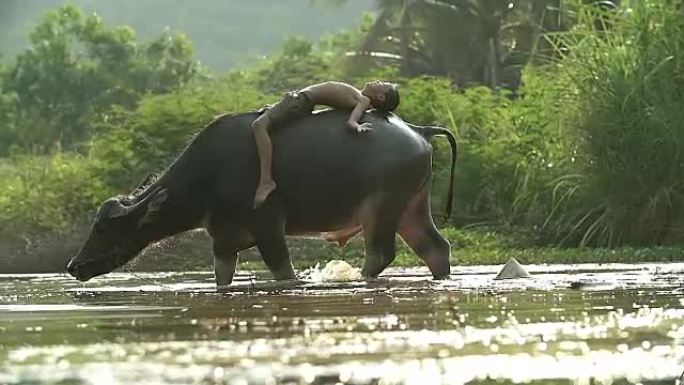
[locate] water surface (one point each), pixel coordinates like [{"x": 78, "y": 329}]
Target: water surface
[{"x": 579, "y": 324}]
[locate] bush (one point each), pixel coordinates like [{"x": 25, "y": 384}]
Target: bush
[
  {"x": 627, "y": 71},
  {"x": 45, "y": 203},
  {"x": 512, "y": 148},
  {"x": 49, "y": 193},
  {"x": 132, "y": 143}
]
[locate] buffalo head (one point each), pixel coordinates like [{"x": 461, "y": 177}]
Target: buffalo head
[{"x": 121, "y": 229}]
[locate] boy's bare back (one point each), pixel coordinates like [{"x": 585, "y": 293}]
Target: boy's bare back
[
  {"x": 300, "y": 103},
  {"x": 335, "y": 94}
]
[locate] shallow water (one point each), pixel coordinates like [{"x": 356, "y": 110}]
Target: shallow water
[{"x": 580, "y": 324}]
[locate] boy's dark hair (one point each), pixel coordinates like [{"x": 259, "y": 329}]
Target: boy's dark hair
[{"x": 391, "y": 101}]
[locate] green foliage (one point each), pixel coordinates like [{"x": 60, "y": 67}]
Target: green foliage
[
  {"x": 76, "y": 68},
  {"x": 473, "y": 42},
  {"x": 132, "y": 143},
  {"x": 6, "y": 110},
  {"x": 301, "y": 62},
  {"x": 47, "y": 193},
  {"x": 627, "y": 70},
  {"x": 511, "y": 149},
  {"x": 586, "y": 151},
  {"x": 296, "y": 67}
]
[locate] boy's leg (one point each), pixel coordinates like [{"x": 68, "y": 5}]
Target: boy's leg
[{"x": 265, "y": 150}]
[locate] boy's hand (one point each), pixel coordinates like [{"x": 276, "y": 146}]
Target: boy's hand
[
  {"x": 359, "y": 127},
  {"x": 364, "y": 127}
]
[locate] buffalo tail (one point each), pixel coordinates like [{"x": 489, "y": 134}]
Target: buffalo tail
[{"x": 428, "y": 132}]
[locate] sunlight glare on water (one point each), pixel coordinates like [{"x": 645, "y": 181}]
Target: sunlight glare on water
[{"x": 565, "y": 326}]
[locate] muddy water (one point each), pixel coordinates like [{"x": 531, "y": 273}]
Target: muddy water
[{"x": 607, "y": 324}]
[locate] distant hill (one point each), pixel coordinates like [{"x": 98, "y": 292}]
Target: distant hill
[{"x": 225, "y": 32}]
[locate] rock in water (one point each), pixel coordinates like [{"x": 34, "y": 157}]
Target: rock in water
[{"x": 512, "y": 269}]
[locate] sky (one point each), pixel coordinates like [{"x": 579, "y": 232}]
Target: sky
[{"x": 225, "y": 32}]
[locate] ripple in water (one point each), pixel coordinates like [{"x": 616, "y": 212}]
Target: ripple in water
[{"x": 403, "y": 328}]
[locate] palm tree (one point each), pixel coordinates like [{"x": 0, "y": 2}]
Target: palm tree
[{"x": 472, "y": 41}]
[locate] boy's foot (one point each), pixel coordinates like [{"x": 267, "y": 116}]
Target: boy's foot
[{"x": 262, "y": 192}]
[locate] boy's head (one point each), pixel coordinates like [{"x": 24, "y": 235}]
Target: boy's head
[{"x": 383, "y": 96}]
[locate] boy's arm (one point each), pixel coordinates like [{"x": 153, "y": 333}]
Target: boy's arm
[{"x": 361, "y": 106}]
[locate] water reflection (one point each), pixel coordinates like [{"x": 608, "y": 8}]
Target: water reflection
[{"x": 402, "y": 329}]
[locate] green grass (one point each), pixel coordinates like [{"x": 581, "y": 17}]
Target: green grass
[{"x": 627, "y": 72}]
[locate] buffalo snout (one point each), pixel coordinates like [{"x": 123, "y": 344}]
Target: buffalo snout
[{"x": 79, "y": 270}]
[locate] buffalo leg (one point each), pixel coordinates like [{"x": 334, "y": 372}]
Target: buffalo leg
[
  {"x": 269, "y": 232},
  {"x": 379, "y": 229},
  {"x": 420, "y": 234},
  {"x": 228, "y": 241}
]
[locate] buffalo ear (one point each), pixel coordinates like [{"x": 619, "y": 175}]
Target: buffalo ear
[{"x": 154, "y": 207}]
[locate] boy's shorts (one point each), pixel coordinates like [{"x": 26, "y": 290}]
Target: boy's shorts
[{"x": 293, "y": 105}]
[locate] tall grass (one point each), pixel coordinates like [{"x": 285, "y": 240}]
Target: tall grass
[{"x": 627, "y": 67}]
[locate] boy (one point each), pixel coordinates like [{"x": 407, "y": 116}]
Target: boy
[{"x": 381, "y": 95}]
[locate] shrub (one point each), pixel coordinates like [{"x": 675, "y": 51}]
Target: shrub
[{"x": 627, "y": 70}]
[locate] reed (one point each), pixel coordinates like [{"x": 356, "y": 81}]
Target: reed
[{"x": 627, "y": 68}]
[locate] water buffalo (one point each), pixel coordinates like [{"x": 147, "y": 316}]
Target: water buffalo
[{"x": 331, "y": 182}]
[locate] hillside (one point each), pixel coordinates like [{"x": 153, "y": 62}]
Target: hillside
[{"x": 225, "y": 32}]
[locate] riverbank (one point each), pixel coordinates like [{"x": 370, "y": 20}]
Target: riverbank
[
  {"x": 468, "y": 248},
  {"x": 192, "y": 251},
  {"x": 540, "y": 255}
]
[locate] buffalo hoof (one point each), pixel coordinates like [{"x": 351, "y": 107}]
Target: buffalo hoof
[
  {"x": 223, "y": 288},
  {"x": 441, "y": 277}
]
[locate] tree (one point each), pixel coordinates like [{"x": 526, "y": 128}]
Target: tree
[
  {"x": 76, "y": 68},
  {"x": 6, "y": 110},
  {"x": 483, "y": 41},
  {"x": 296, "y": 66}
]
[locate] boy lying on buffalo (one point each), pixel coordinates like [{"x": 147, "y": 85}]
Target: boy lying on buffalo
[{"x": 380, "y": 95}]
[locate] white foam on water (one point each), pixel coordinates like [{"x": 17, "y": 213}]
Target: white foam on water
[{"x": 334, "y": 271}]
